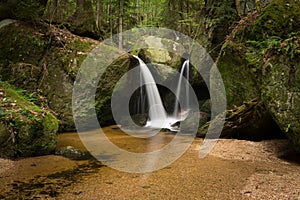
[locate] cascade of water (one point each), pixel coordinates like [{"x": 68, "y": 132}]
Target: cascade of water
[
  {"x": 157, "y": 113},
  {"x": 187, "y": 84},
  {"x": 184, "y": 105},
  {"x": 141, "y": 109}
]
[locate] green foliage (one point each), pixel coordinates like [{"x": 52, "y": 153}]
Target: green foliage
[
  {"x": 288, "y": 128},
  {"x": 29, "y": 10},
  {"x": 278, "y": 19},
  {"x": 274, "y": 44},
  {"x": 26, "y": 129},
  {"x": 24, "y": 95}
]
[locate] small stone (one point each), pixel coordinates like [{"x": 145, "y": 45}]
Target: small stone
[{"x": 70, "y": 152}]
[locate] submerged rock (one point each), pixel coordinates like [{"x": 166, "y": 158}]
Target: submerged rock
[{"x": 70, "y": 152}]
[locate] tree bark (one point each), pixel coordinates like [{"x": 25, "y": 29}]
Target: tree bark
[
  {"x": 99, "y": 10},
  {"x": 121, "y": 13}
]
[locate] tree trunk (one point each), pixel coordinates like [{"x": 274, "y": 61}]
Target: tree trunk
[
  {"x": 99, "y": 10},
  {"x": 121, "y": 13}
]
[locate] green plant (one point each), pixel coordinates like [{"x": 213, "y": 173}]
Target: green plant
[
  {"x": 274, "y": 44},
  {"x": 288, "y": 128},
  {"x": 28, "y": 10}
]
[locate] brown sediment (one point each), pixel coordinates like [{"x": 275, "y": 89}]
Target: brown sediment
[{"x": 235, "y": 169}]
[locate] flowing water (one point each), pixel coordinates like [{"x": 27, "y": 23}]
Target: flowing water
[
  {"x": 158, "y": 117},
  {"x": 179, "y": 91},
  {"x": 157, "y": 113}
]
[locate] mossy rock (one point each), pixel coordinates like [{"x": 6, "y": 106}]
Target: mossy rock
[
  {"x": 240, "y": 70},
  {"x": 43, "y": 59},
  {"x": 278, "y": 19},
  {"x": 250, "y": 121},
  {"x": 107, "y": 84},
  {"x": 26, "y": 129},
  {"x": 281, "y": 94},
  {"x": 154, "y": 50}
]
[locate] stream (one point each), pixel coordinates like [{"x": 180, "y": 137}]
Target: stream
[{"x": 235, "y": 169}]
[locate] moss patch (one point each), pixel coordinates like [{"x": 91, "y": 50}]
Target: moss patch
[
  {"x": 26, "y": 129},
  {"x": 43, "y": 59},
  {"x": 240, "y": 73},
  {"x": 278, "y": 19}
]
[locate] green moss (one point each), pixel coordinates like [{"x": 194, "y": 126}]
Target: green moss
[
  {"x": 21, "y": 46},
  {"x": 26, "y": 129},
  {"x": 278, "y": 19},
  {"x": 241, "y": 78},
  {"x": 281, "y": 95},
  {"x": 44, "y": 61},
  {"x": 50, "y": 123}
]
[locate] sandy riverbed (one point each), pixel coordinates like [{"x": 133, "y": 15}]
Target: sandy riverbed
[{"x": 235, "y": 169}]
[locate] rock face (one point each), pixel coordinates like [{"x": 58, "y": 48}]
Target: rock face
[
  {"x": 25, "y": 129},
  {"x": 107, "y": 83},
  {"x": 250, "y": 121},
  {"x": 156, "y": 53},
  {"x": 241, "y": 77},
  {"x": 44, "y": 61},
  {"x": 260, "y": 60},
  {"x": 281, "y": 94}
]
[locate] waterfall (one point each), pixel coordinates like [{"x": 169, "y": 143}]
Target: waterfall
[
  {"x": 157, "y": 113},
  {"x": 157, "y": 116},
  {"x": 184, "y": 105}
]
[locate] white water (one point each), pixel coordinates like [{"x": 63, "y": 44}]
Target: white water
[
  {"x": 184, "y": 102},
  {"x": 158, "y": 117},
  {"x": 157, "y": 113}
]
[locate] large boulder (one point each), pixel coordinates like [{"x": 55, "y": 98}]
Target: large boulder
[
  {"x": 260, "y": 60},
  {"x": 279, "y": 18},
  {"x": 239, "y": 67},
  {"x": 44, "y": 61},
  {"x": 240, "y": 61},
  {"x": 107, "y": 84},
  {"x": 250, "y": 121},
  {"x": 25, "y": 129},
  {"x": 281, "y": 94}
]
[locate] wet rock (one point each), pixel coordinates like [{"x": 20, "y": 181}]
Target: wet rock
[
  {"x": 164, "y": 63},
  {"x": 70, "y": 152}
]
